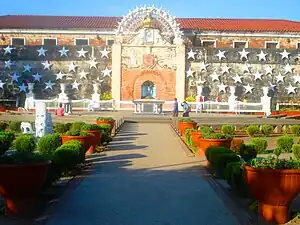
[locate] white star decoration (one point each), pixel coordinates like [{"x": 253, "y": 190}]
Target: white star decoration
[
  {"x": 7, "y": 50},
  {"x": 225, "y": 69},
  {"x": 36, "y": 77},
  {"x": 47, "y": 65},
  {"x": 1, "y": 84},
  {"x": 269, "y": 70},
  {"x": 191, "y": 54},
  {"x": 72, "y": 67},
  {"x": 49, "y": 85},
  {"x": 93, "y": 63},
  {"x": 7, "y": 64},
  {"x": 60, "y": 75},
  {"x": 15, "y": 77},
  {"x": 106, "y": 72},
  {"x": 279, "y": 78},
  {"x": 222, "y": 87},
  {"x": 296, "y": 78},
  {"x": 42, "y": 51},
  {"x": 248, "y": 88},
  {"x": 22, "y": 88},
  {"x": 82, "y": 53},
  {"x": 272, "y": 86},
  {"x": 246, "y": 68},
  {"x": 63, "y": 52},
  {"x": 237, "y": 79},
  {"x": 83, "y": 74},
  {"x": 221, "y": 55},
  {"x": 190, "y": 72},
  {"x": 290, "y": 89},
  {"x": 262, "y": 56},
  {"x": 257, "y": 75},
  {"x": 203, "y": 66},
  {"x": 75, "y": 85},
  {"x": 104, "y": 53},
  {"x": 288, "y": 69},
  {"x": 244, "y": 54},
  {"x": 214, "y": 76},
  {"x": 284, "y": 54},
  {"x": 27, "y": 68}
]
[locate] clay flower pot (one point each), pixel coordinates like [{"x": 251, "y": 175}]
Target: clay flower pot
[
  {"x": 95, "y": 139},
  {"x": 84, "y": 140},
  {"x": 182, "y": 126},
  {"x": 19, "y": 185},
  {"x": 110, "y": 122},
  {"x": 196, "y": 135},
  {"x": 205, "y": 143},
  {"x": 274, "y": 190}
]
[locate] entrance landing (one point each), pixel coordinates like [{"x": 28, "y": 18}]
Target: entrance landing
[{"x": 145, "y": 178}]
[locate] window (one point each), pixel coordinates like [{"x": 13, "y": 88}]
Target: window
[
  {"x": 49, "y": 41},
  {"x": 110, "y": 42},
  {"x": 298, "y": 45},
  {"x": 18, "y": 41},
  {"x": 208, "y": 43},
  {"x": 272, "y": 44},
  {"x": 81, "y": 41},
  {"x": 240, "y": 44}
]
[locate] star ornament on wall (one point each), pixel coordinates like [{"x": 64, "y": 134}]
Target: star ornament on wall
[
  {"x": 237, "y": 79},
  {"x": 1, "y": 84},
  {"x": 47, "y": 65},
  {"x": 82, "y": 53},
  {"x": 221, "y": 55},
  {"x": 257, "y": 76},
  {"x": 246, "y": 68},
  {"x": 190, "y": 72},
  {"x": 244, "y": 54},
  {"x": 93, "y": 63},
  {"x": 225, "y": 69},
  {"x": 269, "y": 70},
  {"x": 63, "y": 52},
  {"x": 279, "y": 78},
  {"x": 37, "y": 77},
  {"x": 49, "y": 85},
  {"x": 222, "y": 87},
  {"x": 214, "y": 76},
  {"x": 8, "y": 50},
  {"x": 75, "y": 85},
  {"x": 15, "y": 77},
  {"x": 290, "y": 89},
  {"x": 22, "y": 88},
  {"x": 83, "y": 74},
  {"x": 296, "y": 78},
  {"x": 7, "y": 64},
  {"x": 262, "y": 56},
  {"x": 248, "y": 88},
  {"x": 104, "y": 53},
  {"x": 27, "y": 68},
  {"x": 272, "y": 86},
  {"x": 203, "y": 66},
  {"x": 42, "y": 51},
  {"x": 288, "y": 69},
  {"x": 72, "y": 67},
  {"x": 60, "y": 75},
  {"x": 284, "y": 54},
  {"x": 191, "y": 54},
  {"x": 106, "y": 72}
]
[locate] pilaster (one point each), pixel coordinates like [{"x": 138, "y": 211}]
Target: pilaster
[
  {"x": 180, "y": 72},
  {"x": 116, "y": 73}
]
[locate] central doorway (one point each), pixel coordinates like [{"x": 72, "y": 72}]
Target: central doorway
[{"x": 148, "y": 90}]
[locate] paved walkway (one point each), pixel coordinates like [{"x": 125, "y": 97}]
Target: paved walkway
[{"x": 145, "y": 178}]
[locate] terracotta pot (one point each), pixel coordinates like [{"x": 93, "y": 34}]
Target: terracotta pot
[
  {"x": 274, "y": 113},
  {"x": 95, "y": 139},
  {"x": 290, "y": 113},
  {"x": 196, "y": 135},
  {"x": 182, "y": 126},
  {"x": 274, "y": 190},
  {"x": 19, "y": 185},
  {"x": 110, "y": 122},
  {"x": 84, "y": 140},
  {"x": 205, "y": 143}
]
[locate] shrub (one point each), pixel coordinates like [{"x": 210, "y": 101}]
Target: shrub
[
  {"x": 15, "y": 126},
  {"x": 248, "y": 151},
  {"x": 296, "y": 151},
  {"x": 105, "y": 118},
  {"x": 186, "y": 120},
  {"x": 3, "y": 125},
  {"x": 77, "y": 126},
  {"x": 260, "y": 144},
  {"x": 105, "y": 128},
  {"x": 213, "y": 150},
  {"x": 285, "y": 143},
  {"x": 187, "y": 134},
  {"x": 206, "y": 130},
  {"x": 25, "y": 143},
  {"x": 62, "y": 127},
  {"x": 295, "y": 130},
  {"x": 5, "y": 142},
  {"x": 228, "y": 129},
  {"x": 49, "y": 143},
  {"x": 252, "y": 130},
  {"x": 76, "y": 132},
  {"x": 267, "y": 130},
  {"x": 91, "y": 127},
  {"x": 216, "y": 136}
]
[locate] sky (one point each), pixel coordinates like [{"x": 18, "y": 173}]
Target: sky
[{"x": 262, "y": 9}]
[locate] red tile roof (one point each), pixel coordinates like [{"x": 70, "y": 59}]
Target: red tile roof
[{"x": 100, "y": 22}]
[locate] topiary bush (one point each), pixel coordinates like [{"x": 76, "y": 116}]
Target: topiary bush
[
  {"x": 77, "y": 126},
  {"x": 15, "y": 126},
  {"x": 267, "y": 130},
  {"x": 25, "y": 143},
  {"x": 295, "y": 130},
  {"x": 105, "y": 128},
  {"x": 284, "y": 143},
  {"x": 76, "y": 132},
  {"x": 296, "y": 151},
  {"x": 213, "y": 150},
  {"x": 247, "y": 151},
  {"x": 206, "y": 130},
  {"x": 252, "y": 130},
  {"x": 228, "y": 129},
  {"x": 91, "y": 127},
  {"x": 260, "y": 144},
  {"x": 62, "y": 127},
  {"x": 49, "y": 143}
]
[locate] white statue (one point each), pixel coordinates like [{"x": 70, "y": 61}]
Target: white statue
[
  {"x": 266, "y": 101},
  {"x": 26, "y": 128},
  {"x": 199, "y": 91},
  {"x": 95, "y": 98},
  {"x": 232, "y": 99},
  {"x": 62, "y": 96},
  {"x": 43, "y": 120},
  {"x": 29, "y": 101}
]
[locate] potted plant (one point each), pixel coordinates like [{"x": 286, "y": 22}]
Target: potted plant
[
  {"x": 78, "y": 135},
  {"x": 22, "y": 174},
  {"x": 95, "y": 131},
  {"x": 274, "y": 183},
  {"x": 106, "y": 120},
  {"x": 215, "y": 139},
  {"x": 185, "y": 124}
]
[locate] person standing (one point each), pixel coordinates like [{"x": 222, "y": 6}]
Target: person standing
[
  {"x": 60, "y": 111},
  {"x": 186, "y": 109},
  {"x": 175, "y": 108}
]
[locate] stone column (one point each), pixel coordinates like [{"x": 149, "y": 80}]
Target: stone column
[
  {"x": 116, "y": 73},
  {"x": 180, "y": 72}
]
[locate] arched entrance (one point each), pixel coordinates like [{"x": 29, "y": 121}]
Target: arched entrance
[{"x": 148, "y": 90}]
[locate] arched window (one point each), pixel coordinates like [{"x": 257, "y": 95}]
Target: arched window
[{"x": 148, "y": 90}]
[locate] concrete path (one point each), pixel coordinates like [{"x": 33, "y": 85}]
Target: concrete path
[{"x": 145, "y": 178}]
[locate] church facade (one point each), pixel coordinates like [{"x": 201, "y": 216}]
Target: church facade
[{"x": 150, "y": 54}]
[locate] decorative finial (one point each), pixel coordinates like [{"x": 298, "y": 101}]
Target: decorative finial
[{"x": 148, "y": 21}]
